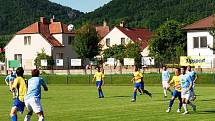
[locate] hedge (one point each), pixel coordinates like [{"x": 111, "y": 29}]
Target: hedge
[{"x": 151, "y": 78}]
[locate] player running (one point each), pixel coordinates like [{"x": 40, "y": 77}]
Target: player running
[
  {"x": 186, "y": 85},
  {"x": 20, "y": 87},
  {"x": 9, "y": 81},
  {"x": 193, "y": 77},
  {"x": 177, "y": 91},
  {"x": 99, "y": 77},
  {"x": 138, "y": 84},
  {"x": 165, "y": 80},
  {"x": 33, "y": 96}
]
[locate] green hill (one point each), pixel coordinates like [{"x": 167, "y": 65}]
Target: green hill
[
  {"x": 149, "y": 13},
  {"x": 17, "y": 14}
]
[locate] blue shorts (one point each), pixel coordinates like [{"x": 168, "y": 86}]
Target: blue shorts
[
  {"x": 191, "y": 89},
  {"x": 98, "y": 83},
  {"x": 138, "y": 85},
  {"x": 142, "y": 84},
  {"x": 19, "y": 105},
  {"x": 176, "y": 94}
]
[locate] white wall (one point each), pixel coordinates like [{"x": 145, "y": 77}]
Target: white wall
[
  {"x": 145, "y": 52},
  {"x": 115, "y": 36},
  {"x": 207, "y": 52},
  {"x": 59, "y": 37},
  {"x": 199, "y": 51},
  {"x": 29, "y": 52}
]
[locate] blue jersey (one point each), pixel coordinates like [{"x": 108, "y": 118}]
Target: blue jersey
[
  {"x": 34, "y": 87},
  {"x": 165, "y": 75},
  {"x": 10, "y": 77},
  {"x": 185, "y": 81},
  {"x": 192, "y": 75}
]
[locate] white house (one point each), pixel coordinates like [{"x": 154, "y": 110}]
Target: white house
[
  {"x": 124, "y": 35},
  {"x": 199, "y": 40},
  {"x": 53, "y": 37}
]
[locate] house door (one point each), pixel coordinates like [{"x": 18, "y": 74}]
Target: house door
[{"x": 18, "y": 57}]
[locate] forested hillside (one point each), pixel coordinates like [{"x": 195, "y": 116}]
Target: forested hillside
[
  {"x": 150, "y": 13},
  {"x": 17, "y": 14}
]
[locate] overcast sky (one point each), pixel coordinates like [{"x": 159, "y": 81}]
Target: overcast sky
[{"x": 82, "y": 5}]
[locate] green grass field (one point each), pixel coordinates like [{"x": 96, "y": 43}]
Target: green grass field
[{"x": 80, "y": 103}]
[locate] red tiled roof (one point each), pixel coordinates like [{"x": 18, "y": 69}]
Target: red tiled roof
[
  {"x": 102, "y": 30},
  {"x": 202, "y": 24},
  {"x": 138, "y": 35},
  {"x": 46, "y": 30},
  {"x": 33, "y": 28}
]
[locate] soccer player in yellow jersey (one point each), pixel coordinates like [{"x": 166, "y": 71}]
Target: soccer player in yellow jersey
[
  {"x": 99, "y": 77},
  {"x": 137, "y": 83},
  {"x": 177, "y": 92},
  {"x": 20, "y": 87}
]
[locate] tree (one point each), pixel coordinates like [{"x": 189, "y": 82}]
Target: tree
[
  {"x": 212, "y": 33},
  {"x": 119, "y": 52},
  {"x": 41, "y": 56},
  {"x": 116, "y": 51},
  {"x": 166, "y": 39},
  {"x": 4, "y": 39},
  {"x": 2, "y": 57},
  {"x": 133, "y": 51},
  {"x": 86, "y": 42}
]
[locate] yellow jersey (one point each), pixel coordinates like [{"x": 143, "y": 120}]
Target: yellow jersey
[
  {"x": 137, "y": 76},
  {"x": 99, "y": 76},
  {"x": 20, "y": 86},
  {"x": 176, "y": 82}
]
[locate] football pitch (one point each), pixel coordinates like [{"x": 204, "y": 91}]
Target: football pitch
[{"x": 80, "y": 103}]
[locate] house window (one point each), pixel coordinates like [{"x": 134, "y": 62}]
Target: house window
[
  {"x": 203, "y": 42},
  {"x": 70, "y": 40},
  {"x": 59, "y": 56},
  {"x": 18, "y": 57},
  {"x": 195, "y": 42},
  {"x": 122, "y": 41},
  {"x": 108, "y": 42},
  {"x": 200, "y": 42},
  {"x": 27, "y": 40}
]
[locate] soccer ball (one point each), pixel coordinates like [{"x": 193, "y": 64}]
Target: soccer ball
[{"x": 70, "y": 27}]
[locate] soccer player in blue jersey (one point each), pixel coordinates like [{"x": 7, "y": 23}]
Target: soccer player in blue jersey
[
  {"x": 193, "y": 77},
  {"x": 20, "y": 87},
  {"x": 33, "y": 96},
  {"x": 186, "y": 86},
  {"x": 9, "y": 81},
  {"x": 177, "y": 92},
  {"x": 99, "y": 77},
  {"x": 165, "y": 79}
]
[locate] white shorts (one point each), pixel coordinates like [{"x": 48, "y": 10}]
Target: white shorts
[
  {"x": 33, "y": 104},
  {"x": 185, "y": 94},
  {"x": 165, "y": 84}
]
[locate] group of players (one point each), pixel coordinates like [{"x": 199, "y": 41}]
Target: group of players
[
  {"x": 26, "y": 93},
  {"x": 183, "y": 83}
]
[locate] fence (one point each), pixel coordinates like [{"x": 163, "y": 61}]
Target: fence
[{"x": 115, "y": 79}]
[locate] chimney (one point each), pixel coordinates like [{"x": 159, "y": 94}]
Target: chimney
[
  {"x": 52, "y": 20},
  {"x": 104, "y": 23},
  {"x": 122, "y": 24},
  {"x": 43, "y": 20}
]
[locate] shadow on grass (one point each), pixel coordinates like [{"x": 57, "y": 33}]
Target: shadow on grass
[{"x": 207, "y": 112}]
